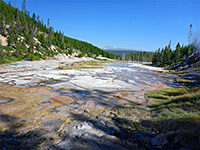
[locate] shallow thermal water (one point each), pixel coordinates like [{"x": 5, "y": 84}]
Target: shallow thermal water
[
  {"x": 70, "y": 106},
  {"x": 136, "y": 75},
  {"x": 142, "y": 74}
]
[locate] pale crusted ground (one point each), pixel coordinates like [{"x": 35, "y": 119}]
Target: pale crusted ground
[{"x": 69, "y": 108}]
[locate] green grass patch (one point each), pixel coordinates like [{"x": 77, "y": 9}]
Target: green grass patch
[
  {"x": 174, "y": 98},
  {"x": 179, "y": 72},
  {"x": 85, "y": 65},
  {"x": 166, "y": 93},
  {"x": 172, "y": 111},
  {"x": 182, "y": 80}
]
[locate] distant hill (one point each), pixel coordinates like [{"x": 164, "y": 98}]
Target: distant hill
[{"x": 28, "y": 38}]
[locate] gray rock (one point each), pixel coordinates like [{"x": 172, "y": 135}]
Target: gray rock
[
  {"x": 86, "y": 110},
  {"x": 102, "y": 122},
  {"x": 85, "y": 134},
  {"x": 113, "y": 127},
  {"x": 110, "y": 137},
  {"x": 83, "y": 125},
  {"x": 159, "y": 141}
]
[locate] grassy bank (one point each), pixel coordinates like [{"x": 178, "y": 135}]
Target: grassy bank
[{"x": 174, "y": 112}]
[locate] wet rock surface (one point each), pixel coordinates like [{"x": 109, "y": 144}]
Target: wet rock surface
[{"x": 47, "y": 108}]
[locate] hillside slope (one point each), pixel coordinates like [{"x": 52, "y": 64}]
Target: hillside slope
[{"x": 25, "y": 37}]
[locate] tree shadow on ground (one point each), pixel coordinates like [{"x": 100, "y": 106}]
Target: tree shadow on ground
[
  {"x": 131, "y": 134},
  {"x": 180, "y": 133},
  {"x": 12, "y": 139}
]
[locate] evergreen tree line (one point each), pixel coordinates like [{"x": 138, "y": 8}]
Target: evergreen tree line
[
  {"x": 168, "y": 57},
  {"x": 30, "y": 38},
  {"x": 138, "y": 56}
]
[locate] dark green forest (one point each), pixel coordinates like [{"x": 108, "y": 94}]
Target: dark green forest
[
  {"x": 168, "y": 57},
  {"x": 132, "y": 55},
  {"x": 139, "y": 56},
  {"x": 29, "y": 38}
]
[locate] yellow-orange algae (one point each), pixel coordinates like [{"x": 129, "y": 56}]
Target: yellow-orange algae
[{"x": 26, "y": 106}]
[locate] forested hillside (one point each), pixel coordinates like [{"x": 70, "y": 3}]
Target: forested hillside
[
  {"x": 168, "y": 57},
  {"x": 29, "y": 38}
]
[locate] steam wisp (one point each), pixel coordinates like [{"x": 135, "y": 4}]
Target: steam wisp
[{"x": 196, "y": 40}]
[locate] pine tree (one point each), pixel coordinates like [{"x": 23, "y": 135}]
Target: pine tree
[
  {"x": 37, "y": 22},
  {"x": 166, "y": 56},
  {"x": 190, "y": 34},
  {"x": 48, "y": 23},
  {"x": 177, "y": 54},
  {"x": 24, "y": 6},
  {"x": 33, "y": 16}
]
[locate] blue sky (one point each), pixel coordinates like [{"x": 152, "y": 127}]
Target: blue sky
[{"x": 136, "y": 24}]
